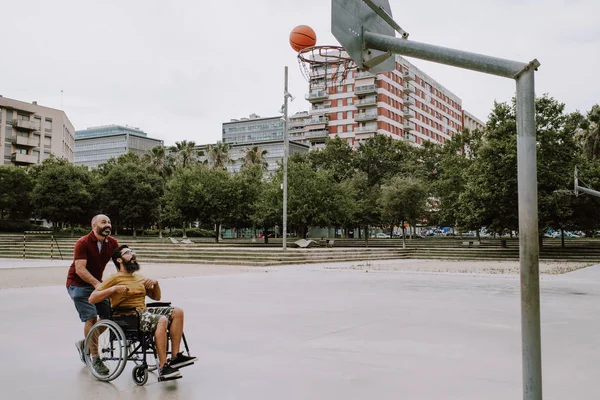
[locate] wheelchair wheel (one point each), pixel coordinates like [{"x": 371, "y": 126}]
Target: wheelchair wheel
[
  {"x": 111, "y": 344},
  {"x": 140, "y": 375}
]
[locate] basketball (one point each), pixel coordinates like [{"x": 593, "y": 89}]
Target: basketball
[{"x": 302, "y": 37}]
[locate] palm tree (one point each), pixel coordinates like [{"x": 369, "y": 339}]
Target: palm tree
[
  {"x": 255, "y": 156},
  {"x": 185, "y": 151},
  {"x": 158, "y": 160},
  {"x": 218, "y": 155}
]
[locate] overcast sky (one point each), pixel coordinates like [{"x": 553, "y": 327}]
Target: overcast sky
[{"x": 178, "y": 69}]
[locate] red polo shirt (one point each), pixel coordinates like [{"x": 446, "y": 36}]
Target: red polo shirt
[{"x": 86, "y": 248}]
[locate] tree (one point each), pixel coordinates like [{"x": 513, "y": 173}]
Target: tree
[
  {"x": 156, "y": 158},
  {"x": 132, "y": 193},
  {"x": 218, "y": 155},
  {"x": 185, "y": 152},
  {"x": 15, "y": 192},
  {"x": 314, "y": 198},
  {"x": 255, "y": 156},
  {"x": 337, "y": 156},
  {"x": 589, "y": 135},
  {"x": 403, "y": 200},
  {"x": 62, "y": 193},
  {"x": 490, "y": 192},
  {"x": 221, "y": 197},
  {"x": 382, "y": 157}
]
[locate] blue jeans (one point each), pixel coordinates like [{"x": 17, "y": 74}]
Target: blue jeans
[{"x": 87, "y": 311}]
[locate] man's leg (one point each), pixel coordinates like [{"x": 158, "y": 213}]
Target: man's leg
[
  {"x": 176, "y": 330},
  {"x": 178, "y": 360},
  {"x": 160, "y": 340}
]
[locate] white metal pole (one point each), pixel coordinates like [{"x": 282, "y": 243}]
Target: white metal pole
[{"x": 285, "y": 157}]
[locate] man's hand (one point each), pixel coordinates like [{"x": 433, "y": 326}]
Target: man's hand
[
  {"x": 149, "y": 283},
  {"x": 120, "y": 289}
]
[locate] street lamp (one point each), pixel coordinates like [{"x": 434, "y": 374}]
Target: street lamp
[{"x": 286, "y": 96}]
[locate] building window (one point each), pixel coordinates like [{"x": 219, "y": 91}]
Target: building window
[
  {"x": 48, "y": 125},
  {"x": 23, "y": 117},
  {"x": 47, "y": 142}
]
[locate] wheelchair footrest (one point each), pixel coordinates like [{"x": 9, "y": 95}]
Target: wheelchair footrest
[{"x": 161, "y": 379}]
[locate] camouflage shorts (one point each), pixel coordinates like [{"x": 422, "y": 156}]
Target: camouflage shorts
[{"x": 149, "y": 318}]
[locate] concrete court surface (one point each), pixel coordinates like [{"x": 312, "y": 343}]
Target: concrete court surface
[{"x": 313, "y": 332}]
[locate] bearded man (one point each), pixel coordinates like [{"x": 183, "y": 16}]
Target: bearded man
[
  {"x": 92, "y": 253},
  {"x": 127, "y": 288}
]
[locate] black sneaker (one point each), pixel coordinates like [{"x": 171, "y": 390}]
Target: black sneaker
[
  {"x": 79, "y": 345},
  {"x": 168, "y": 372},
  {"x": 182, "y": 360}
]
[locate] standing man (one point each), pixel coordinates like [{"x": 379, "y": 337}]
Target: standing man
[{"x": 92, "y": 253}]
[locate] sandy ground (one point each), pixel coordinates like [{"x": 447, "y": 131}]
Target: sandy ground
[{"x": 15, "y": 273}]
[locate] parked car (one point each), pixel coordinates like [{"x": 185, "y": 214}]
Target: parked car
[{"x": 382, "y": 235}]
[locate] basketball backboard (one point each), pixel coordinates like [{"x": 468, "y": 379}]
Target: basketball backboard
[{"x": 350, "y": 18}]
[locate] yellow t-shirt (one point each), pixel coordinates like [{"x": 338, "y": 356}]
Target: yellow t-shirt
[{"x": 135, "y": 297}]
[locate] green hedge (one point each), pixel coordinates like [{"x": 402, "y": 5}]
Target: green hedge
[{"x": 20, "y": 226}]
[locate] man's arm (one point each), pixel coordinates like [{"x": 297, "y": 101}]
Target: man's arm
[
  {"x": 81, "y": 270},
  {"x": 152, "y": 289},
  {"x": 99, "y": 295}
]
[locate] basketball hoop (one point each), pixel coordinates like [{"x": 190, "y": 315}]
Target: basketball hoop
[{"x": 325, "y": 66}]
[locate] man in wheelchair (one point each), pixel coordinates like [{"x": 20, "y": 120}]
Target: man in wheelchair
[{"x": 126, "y": 288}]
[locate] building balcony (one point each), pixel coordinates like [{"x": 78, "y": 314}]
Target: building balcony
[
  {"x": 318, "y": 134},
  {"x": 320, "y": 109},
  {"x": 408, "y": 76},
  {"x": 409, "y": 126},
  {"x": 409, "y": 101},
  {"x": 295, "y": 124},
  {"x": 409, "y": 137},
  {"x": 365, "y": 89},
  {"x": 364, "y": 117},
  {"x": 25, "y": 125},
  {"x": 363, "y": 74},
  {"x": 366, "y": 129},
  {"x": 316, "y": 120},
  {"x": 25, "y": 141},
  {"x": 407, "y": 114},
  {"x": 19, "y": 158},
  {"x": 408, "y": 89},
  {"x": 317, "y": 96},
  {"x": 368, "y": 102}
]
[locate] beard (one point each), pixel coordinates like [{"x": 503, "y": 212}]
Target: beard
[
  {"x": 103, "y": 232},
  {"x": 131, "y": 266}
]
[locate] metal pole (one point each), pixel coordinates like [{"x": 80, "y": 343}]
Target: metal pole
[
  {"x": 527, "y": 177},
  {"x": 528, "y": 237},
  {"x": 285, "y": 157},
  {"x": 445, "y": 55}
]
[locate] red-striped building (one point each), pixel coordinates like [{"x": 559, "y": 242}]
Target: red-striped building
[{"x": 405, "y": 104}]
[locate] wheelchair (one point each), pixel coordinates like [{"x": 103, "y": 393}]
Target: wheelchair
[{"x": 119, "y": 339}]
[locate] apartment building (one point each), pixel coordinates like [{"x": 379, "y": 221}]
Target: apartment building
[
  {"x": 29, "y": 133},
  {"x": 405, "y": 104},
  {"x": 471, "y": 122},
  {"x": 96, "y": 145},
  {"x": 264, "y": 132}
]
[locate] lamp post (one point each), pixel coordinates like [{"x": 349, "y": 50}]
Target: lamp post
[{"x": 286, "y": 96}]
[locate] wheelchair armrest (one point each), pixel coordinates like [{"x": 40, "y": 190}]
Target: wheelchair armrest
[
  {"x": 123, "y": 309},
  {"x": 159, "y": 304}
]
